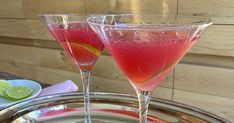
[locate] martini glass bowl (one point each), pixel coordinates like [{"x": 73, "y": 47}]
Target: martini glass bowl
[
  {"x": 147, "y": 47},
  {"x": 79, "y": 42}
]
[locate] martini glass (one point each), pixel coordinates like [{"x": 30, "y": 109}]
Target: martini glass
[
  {"x": 81, "y": 44},
  {"x": 147, "y": 47}
]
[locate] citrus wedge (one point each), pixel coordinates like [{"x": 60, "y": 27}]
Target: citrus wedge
[
  {"x": 3, "y": 86},
  {"x": 87, "y": 47},
  {"x": 18, "y": 92}
]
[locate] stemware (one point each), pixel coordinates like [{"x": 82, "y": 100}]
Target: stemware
[
  {"x": 80, "y": 42},
  {"x": 147, "y": 47}
]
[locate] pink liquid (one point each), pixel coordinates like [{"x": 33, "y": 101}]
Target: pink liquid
[
  {"x": 146, "y": 57},
  {"x": 79, "y": 42}
]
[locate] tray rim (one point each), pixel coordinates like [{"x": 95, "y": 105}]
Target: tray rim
[{"x": 13, "y": 108}]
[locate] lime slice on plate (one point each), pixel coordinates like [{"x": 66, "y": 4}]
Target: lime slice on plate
[
  {"x": 18, "y": 92},
  {"x": 3, "y": 86}
]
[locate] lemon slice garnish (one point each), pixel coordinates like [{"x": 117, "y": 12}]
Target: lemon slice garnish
[{"x": 87, "y": 47}]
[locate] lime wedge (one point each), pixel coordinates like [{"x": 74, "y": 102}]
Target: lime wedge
[
  {"x": 18, "y": 93},
  {"x": 3, "y": 86}
]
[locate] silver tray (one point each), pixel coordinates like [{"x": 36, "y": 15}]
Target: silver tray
[{"x": 105, "y": 108}]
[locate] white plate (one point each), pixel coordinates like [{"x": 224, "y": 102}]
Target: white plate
[{"x": 21, "y": 82}]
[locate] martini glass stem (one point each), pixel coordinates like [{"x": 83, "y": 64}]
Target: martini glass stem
[
  {"x": 144, "y": 99},
  {"x": 85, "y": 75}
]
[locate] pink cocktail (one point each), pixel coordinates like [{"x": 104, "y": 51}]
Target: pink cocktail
[
  {"x": 147, "y": 47},
  {"x": 81, "y": 44},
  {"x": 147, "y": 61}
]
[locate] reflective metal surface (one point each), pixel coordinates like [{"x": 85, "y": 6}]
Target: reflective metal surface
[{"x": 105, "y": 108}]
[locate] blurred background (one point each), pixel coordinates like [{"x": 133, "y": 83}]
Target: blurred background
[{"x": 204, "y": 78}]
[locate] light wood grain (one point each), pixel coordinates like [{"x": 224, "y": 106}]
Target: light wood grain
[
  {"x": 36, "y": 56},
  {"x": 210, "y": 8},
  {"x": 50, "y": 44},
  {"x": 16, "y": 41},
  {"x": 53, "y": 76},
  {"x": 112, "y": 85},
  {"x": 218, "y": 40},
  {"x": 163, "y": 93},
  {"x": 209, "y": 60},
  {"x": 11, "y": 9},
  {"x": 39, "y": 30},
  {"x": 53, "y": 59},
  {"x": 132, "y": 6},
  {"x": 203, "y": 79},
  {"x": 220, "y": 106},
  {"x": 33, "y": 8},
  {"x": 26, "y": 71},
  {"x": 21, "y": 54},
  {"x": 14, "y": 28},
  {"x": 222, "y": 20}
]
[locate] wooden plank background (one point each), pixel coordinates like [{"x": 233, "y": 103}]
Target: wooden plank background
[{"x": 204, "y": 77}]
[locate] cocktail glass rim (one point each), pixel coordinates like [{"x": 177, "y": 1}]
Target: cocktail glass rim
[{"x": 201, "y": 20}]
